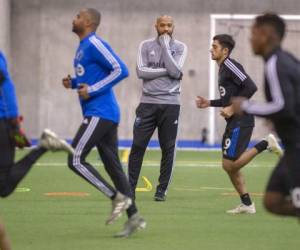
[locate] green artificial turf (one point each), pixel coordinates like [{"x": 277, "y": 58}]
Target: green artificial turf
[{"x": 193, "y": 217}]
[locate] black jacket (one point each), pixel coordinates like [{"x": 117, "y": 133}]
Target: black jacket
[
  {"x": 234, "y": 81},
  {"x": 282, "y": 92}
]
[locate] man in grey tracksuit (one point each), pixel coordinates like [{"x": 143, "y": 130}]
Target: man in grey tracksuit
[{"x": 159, "y": 65}]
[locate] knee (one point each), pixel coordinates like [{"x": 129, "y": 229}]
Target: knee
[
  {"x": 5, "y": 193},
  {"x": 5, "y": 189},
  {"x": 71, "y": 162},
  {"x": 228, "y": 167}
]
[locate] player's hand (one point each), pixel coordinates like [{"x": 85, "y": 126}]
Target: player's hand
[
  {"x": 17, "y": 133},
  {"x": 237, "y": 103},
  {"x": 83, "y": 91},
  {"x": 164, "y": 39},
  {"x": 67, "y": 82},
  {"x": 202, "y": 103},
  {"x": 227, "y": 112}
]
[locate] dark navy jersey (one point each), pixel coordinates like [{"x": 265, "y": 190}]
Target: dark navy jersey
[
  {"x": 282, "y": 92},
  {"x": 234, "y": 81}
]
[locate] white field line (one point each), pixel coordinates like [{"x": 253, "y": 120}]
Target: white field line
[
  {"x": 212, "y": 149},
  {"x": 180, "y": 164},
  {"x": 202, "y": 188}
]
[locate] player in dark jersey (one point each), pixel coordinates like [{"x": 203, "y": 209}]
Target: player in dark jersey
[
  {"x": 234, "y": 81},
  {"x": 282, "y": 108}
]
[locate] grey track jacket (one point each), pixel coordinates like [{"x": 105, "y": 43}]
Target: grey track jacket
[{"x": 159, "y": 65}]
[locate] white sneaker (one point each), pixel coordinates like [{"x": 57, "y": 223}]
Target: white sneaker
[
  {"x": 119, "y": 204},
  {"x": 273, "y": 145},
  {"x": 50, "y": 140},
  {"x": 134, "y": 223},
  {"x": 243, "y": 209}
]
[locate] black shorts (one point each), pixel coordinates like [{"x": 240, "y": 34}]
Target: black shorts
[
  {"x": 285, "y": 177},
  {"x": 235, "y": 142}
]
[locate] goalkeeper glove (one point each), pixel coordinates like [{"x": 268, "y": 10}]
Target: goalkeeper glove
[{"x": 18, "y": 134}]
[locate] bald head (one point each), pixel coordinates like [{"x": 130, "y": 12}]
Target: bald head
[
  {"x": 85, "y": 22},
  {"x": 164, "y": 24},
  {"x": 164, "y": 18},
  {"x": 93, "y": 16}
]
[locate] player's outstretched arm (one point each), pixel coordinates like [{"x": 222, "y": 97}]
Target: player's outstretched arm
[{"x": 202, "y": 103}]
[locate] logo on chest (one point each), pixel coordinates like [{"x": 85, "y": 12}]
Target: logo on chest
[
  {"x": 80, "y": 70},
  {"x": 222, "y": 91},
  {"x": 152, "y": 53},
  {"x": 79, "y": 55},
  {"x": 154, "y": 60}
]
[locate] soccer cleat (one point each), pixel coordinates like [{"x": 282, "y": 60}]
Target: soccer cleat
[
  {"x": 50, "y": 140},
  {"x": 243, "y": 209},
  {"x": 160, "y": 196},
  {"x": 134, "y": 223},
  {"x": 273, "y": 145},
  {"x": 119, "y": 204}
]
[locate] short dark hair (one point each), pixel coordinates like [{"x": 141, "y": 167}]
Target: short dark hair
[
  {"x": 95, "y": 16},
  {"x": 273, "y": 20},
  {"x": 226, "y": 41}
]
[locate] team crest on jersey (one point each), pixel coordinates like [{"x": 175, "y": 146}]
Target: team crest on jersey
[
  {"x": 80, "y": 70},
  {"x": 79, "y": 55},
  {"x": 152, "y": 53},
  {"x": 222, "y": 91}
]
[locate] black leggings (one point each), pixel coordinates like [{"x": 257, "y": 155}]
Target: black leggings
[
  {"x": 102, "y": 134},
  {"x": 12, "y": 173}
]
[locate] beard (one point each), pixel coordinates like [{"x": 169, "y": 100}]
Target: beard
[
  {"x": 77, "y": 30},
  {"x": 170, "y": 33}
]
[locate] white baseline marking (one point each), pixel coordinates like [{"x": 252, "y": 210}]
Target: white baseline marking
[
  {"x": 202, "y": 188},
  {"x": 180, "y": 164}
]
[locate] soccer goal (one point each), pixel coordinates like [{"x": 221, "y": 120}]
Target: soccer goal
[{"x": 239, "y": 27}]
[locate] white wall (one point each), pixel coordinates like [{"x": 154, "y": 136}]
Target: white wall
[
  {"x": 5, "y": 27},
  {"x": 43, "y": 46}
]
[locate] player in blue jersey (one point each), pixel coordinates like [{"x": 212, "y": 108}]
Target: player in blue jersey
[
  {"x": 97, "y": 70},
  {"x": 12, "y": 136}
]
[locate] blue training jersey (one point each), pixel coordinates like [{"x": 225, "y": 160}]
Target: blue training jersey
[
  {"x": 97, "y": 65},
  {"x": 8, "y": 100}
]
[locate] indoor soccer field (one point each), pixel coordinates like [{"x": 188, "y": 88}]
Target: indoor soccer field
[{"x": 53, "y": 209}]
